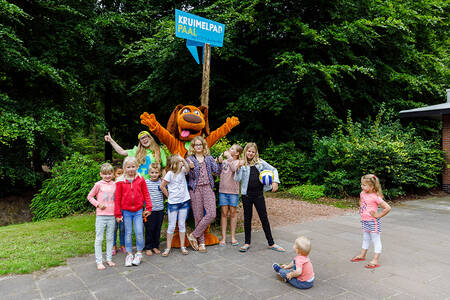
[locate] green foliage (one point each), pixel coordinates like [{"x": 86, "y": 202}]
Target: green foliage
[
  {"x": 309, "y": 192},
  {"x": 289, "y": 161},
  {"x": 286, "y": 70},
  {"x": 219, "y": 147},
  {"x": 402, "y": 160},
  {"x": 65, "y": 193}
]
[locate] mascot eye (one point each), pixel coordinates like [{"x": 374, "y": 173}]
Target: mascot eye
[
  {"x": 186, "y": 110},
  {"x": 197, "y": 112}
]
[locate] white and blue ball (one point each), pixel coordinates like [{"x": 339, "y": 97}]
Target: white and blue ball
[{"x": 266, "y": 177}]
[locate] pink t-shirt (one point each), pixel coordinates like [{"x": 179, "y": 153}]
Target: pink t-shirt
[
  {"x": 307, "y": 269},
  {"x": 103, "y": 192},
  {"x": 368, "y": 202},
  {"x": 227, "y": 184}
]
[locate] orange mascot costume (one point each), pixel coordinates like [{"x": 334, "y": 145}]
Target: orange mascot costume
[{"x": 185, "y": 123}]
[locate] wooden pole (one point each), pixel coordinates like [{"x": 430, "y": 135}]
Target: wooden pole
[{"x": 205, "y": 77}]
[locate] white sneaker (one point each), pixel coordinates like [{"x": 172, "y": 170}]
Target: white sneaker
[
  {"x": 137, "y": 259},
  {"x": 129, "y": 260}
]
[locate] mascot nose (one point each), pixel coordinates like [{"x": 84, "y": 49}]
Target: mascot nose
[{"x": 192, "y": 118}]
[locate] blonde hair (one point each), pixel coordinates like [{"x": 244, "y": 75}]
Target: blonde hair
[
  {"x": 203, "y": 141},
  {"x": 128, "y": 160},
  {"x": 141, "y": 151},
  {"x": 155, "y": 166},
  {"x": 174, "y": 164},
  {"x": 303, "y": 245},
  {"x": 374, "y": 182},
  {"x": 238, "y": 148},
  {"x": 106, "y": 168},
  {"x": 255, "y": 159}
]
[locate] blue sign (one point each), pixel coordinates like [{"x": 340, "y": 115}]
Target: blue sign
[{"x": 198, "y": 31}]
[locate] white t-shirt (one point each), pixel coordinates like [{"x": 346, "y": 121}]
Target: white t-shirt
[{"x": 177, "y": 187}]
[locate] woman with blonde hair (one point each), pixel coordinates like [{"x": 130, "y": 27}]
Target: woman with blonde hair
[{"x": 146, "y": 152}]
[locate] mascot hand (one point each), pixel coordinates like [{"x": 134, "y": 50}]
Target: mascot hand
[
  {"x": 149, "y": 120},
  {"x": 232, "y": 122}
]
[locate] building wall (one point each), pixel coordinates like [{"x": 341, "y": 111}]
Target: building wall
[{"x": 446, "y": 148}]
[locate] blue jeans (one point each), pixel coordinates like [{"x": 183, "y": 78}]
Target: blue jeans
[
  {"x": 121, "y": 234},
  {"x": 102, "y": 222},
  {"x": 295, "y": 282},
  {"x": 130, "y": 218}
]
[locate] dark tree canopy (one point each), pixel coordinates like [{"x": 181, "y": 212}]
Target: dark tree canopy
[{"x": 288, "y": 69}]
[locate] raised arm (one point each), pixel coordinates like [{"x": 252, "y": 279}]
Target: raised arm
[
  {"x": 222, "y": 131},
  {"x": 116, "y": 146},
  {"x": 174, "y": 145}
]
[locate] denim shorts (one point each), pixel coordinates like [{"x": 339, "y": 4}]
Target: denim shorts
[{"x": 228, "y": 199}]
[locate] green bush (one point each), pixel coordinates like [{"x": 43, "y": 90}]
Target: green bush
[
  {"x": 65, "y": 193},
  {"x": 402, "y": 160},
  {"x": 308, "y": 191},
  {"x": 289, "y": 161}
]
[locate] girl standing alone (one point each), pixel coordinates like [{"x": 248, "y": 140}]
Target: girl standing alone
[
  {"x": 370, "y": 197},
  {"x": 252, "y": 194}
]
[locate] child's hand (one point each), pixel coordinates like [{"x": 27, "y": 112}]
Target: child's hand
[
  {"x": 191, "y": 164},
  {"x": 101, "y": 206},
  {"x": 118, "y": 220},
  {"x": 108, "y": 137},
  {"x": 374, "y": 214},
  {"x": 274, "y": 186},
  {"x": 283, "y": 266},
  {"x": 241, "y": 163},
  {"x": 221, "y": 158},
  {"x": 227, "y": 154},
  {"x": 146, "y": 213},
  {"x": 289, "y": 276}
]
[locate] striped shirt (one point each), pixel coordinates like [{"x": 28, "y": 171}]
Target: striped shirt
[
  {"x": 155, "y": 194},
  {"x": 371, "y": 226}
]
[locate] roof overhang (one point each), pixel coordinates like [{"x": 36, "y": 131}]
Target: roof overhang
[{"x": 433, "y": 111}]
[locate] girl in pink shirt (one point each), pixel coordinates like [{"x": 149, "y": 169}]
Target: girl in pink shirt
[
  {"x": 370, "y": 197},
  {"x": 302, "y": 274},
  {"x": 229, "y": 192},
  {"x": 102, "y": 197}
]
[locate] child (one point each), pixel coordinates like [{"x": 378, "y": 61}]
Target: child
[
  {"x": 118, "y": 171},
  {"x": 178, "y": 199},
  {"x": 201, "y": 189},
  {"x": 154, "y": 222},
  {"x": 302, "y": 275},
  {"x": 370, "y": 197},
  {"x": 102, "y": 197},
  {"x": 252, "y": 193},
  {"x": 131, "y": 193},
  {"x": 229, "y": 192}
]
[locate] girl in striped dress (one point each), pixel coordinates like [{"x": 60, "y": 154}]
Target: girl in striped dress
[{"x": 370, "y": 198}]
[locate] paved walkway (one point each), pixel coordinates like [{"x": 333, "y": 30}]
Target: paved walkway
[{"x": 415, "y": 264}]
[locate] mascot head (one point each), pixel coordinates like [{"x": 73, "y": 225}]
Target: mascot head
[{"x": 188, "y": 121}]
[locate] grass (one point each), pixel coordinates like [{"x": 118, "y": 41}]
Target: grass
[{"x": 29, "y": 247}]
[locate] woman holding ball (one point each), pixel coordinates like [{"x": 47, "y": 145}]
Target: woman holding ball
[{"x": 252, "y": 193}]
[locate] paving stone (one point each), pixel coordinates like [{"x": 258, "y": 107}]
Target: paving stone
[
  {"x": 30, "y": 295},
  {"x": 322, "y": 290},
  {"x": 56, "y": 286},
  {"x": 259, "y": 286},
  {"x": 80, "y": 295},
  {"x": 162, "y": 287},
  {"x": 10, "y": 285},
  {"x": 349, "y": 296}
]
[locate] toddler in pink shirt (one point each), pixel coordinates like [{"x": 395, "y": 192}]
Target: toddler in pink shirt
[
  {"x": 102, "y": 197},
  {"x": 302, "y": 274}
]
